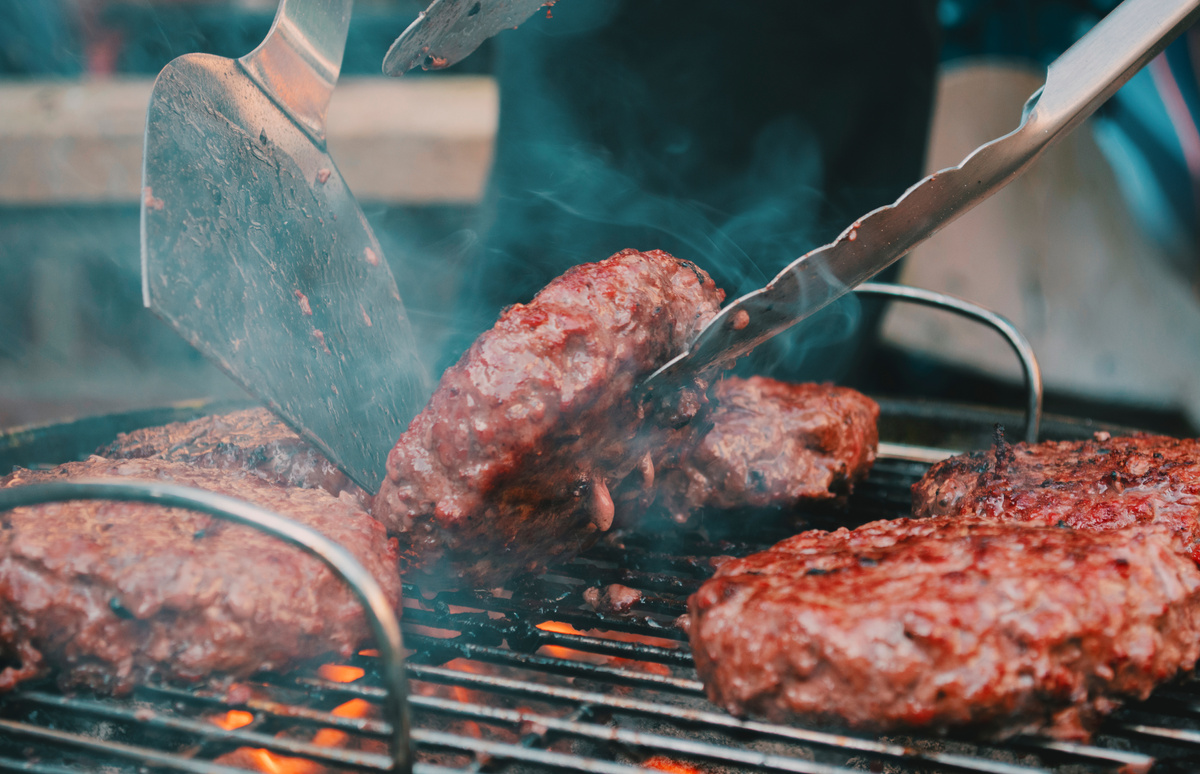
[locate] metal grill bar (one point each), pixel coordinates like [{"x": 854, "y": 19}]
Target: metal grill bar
[
  {"x": 503, "y": 635},
  {"x": 141, "y": 755},
  {"x": 661, "y": 713},
  {"x": 682, "y": 715},
  {"x": 32, "y": 767},
  {"x": 614, "y": 675},
  {"x": 1002, "y": 325},
  {"x": 209, "y": 732},
  {"x": 648, "y": 741}
]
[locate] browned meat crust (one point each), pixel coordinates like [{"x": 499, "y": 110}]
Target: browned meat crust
[
  {"x": 773, "y": 444},
  {"x": 511, "y": 462},
  {"x": 109, "y": 594},
  {"x": 1098, "y": 484},
  {"x": 253, "y": 440},
  {"x": 942, "y": 624}
]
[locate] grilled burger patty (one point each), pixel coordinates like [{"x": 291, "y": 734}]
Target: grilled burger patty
[
  {"x": 945, "y": 624},
  {"x": 109, "y": 594},
  {"x": 773, "y": 443},
  {"x": 1098, "y": 484},
  {"x": 253, "y": 440},
  {"x": 512, "y": 460}
]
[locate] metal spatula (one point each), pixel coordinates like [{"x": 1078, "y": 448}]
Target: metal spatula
[
  {"x": 448, "y": 30},
  {"x": 1077, "y": 83},
  {"x": 256, "y": 252}
]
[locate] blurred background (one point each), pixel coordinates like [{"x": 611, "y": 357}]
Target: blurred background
[{"x": 736, "y": 142}]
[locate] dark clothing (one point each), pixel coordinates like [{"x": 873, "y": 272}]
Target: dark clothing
[{"x": 735, "y": 138}]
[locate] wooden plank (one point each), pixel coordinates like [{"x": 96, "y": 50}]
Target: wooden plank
[{"x": 425, "y": 140}]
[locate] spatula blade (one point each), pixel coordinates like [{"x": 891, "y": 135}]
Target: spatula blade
[{"x": 256, "y": 252}]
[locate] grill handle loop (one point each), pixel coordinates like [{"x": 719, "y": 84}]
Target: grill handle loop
[
  {"x": 384, "y": 625},
  {"x": 1002, "y": 325}
]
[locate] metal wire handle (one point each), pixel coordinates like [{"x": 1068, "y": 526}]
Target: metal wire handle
[
  {"x": 1014, "y": 337},
  {"x": 384, "y": 625}
]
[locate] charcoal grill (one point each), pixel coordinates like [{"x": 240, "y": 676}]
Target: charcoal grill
[{"x": 531, "y": 678}]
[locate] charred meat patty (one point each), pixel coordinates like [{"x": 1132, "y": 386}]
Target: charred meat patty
[
  {"x": 512, "y": 461},
  {"x": 772, "y": 443},
  {"x": 1098, "y": 484},
  {"x": 948, "y": 624},
  {"x": 110, "y": 594},
  {"x": 253, "y": 440}
]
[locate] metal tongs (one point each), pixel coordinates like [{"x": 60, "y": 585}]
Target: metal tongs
[{"x": 1077, "y": 83}]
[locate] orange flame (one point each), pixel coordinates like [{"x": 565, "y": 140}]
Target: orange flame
[
  {"x": 270, "y": 763},
  {"x": 557, "y": 651},
  {"x": 466, "y": 695},
  {"x": 331, "y": 737},
  {"x": 663, "y": 763},
  {"x": 234, "y": 719},
  {"x": 339, "y": 673}
]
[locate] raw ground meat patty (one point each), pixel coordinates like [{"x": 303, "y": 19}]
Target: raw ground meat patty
[
  {"x": 946, "y": 624},
  {"x": 772, "y": 443},
  {"x": 253, "y": 440},
  {"x": 1102, "y": 483},
  {"x": 512, "y": 461},
  {"x": 109, "y": 594}
]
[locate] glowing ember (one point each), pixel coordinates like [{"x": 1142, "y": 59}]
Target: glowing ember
[
  {"x": 558, "y": 651},
  {"x": 663, "y": 763},
  {"x": 268, "y": 762},
  {"x": 331, "y": 737},
  {"x": 234, "y": 719},
  {"x": 339, "y": 673},
  {"x": 558, "y": 627}
]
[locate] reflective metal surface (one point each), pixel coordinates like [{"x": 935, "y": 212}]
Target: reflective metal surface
[
  {"x": 256, "y": 252},
  {"x": 449, "y": 30},
  {"x": 1020, "y": 345},
  {"x": 1076, "y": 84}
]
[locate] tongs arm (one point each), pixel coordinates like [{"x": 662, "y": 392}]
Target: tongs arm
[{"x": 1076, "y": 84}]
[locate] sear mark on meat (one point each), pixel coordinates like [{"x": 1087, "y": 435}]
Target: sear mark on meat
[
  {"x": 1103, "y": 483},
  {"x": 253, "y": 440},
  {"x": 112, "y": 594},
  {"x": 512, "y": 462},
  {"x": 947, "y": 624},
  {"x": 772, "y": 444}
]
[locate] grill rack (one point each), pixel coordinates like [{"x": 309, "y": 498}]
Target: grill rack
[
  {"x": 532, "y": 679},
  {"x": 491, "y": 693}
]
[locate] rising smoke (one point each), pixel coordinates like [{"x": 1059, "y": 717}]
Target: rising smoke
[{"x": 736, "y": 140}]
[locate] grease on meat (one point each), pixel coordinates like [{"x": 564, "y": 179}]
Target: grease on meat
[
  {"x": 111, "y": 594},
  {"x": 949, "y": 624},
  {"x": 513, "y": 461}
]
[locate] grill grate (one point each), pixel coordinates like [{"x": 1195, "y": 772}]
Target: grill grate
[{"x": 534, "y": 680}]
